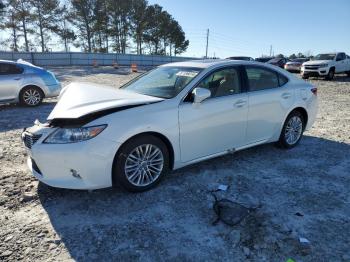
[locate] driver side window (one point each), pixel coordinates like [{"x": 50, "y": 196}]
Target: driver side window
[
  {"x": 223, "y": 82},
  {"x": 340, "y": 57}
]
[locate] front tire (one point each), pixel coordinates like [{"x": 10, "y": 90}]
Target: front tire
[
  {"x": 292, "y": 130},
  {"x": 330, "y": 74},
  {"x": 141, "y": 163},
  {"x": 31, "y": 96},
  {"x": 304, "y": 77}
]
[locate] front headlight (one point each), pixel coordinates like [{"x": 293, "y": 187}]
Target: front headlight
[
  {"x": 73, "y": 135},
  {"x": 323, "y": 65}
]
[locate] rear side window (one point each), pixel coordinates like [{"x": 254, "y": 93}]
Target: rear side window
[
  {"x": 10, "y": 69},
  {"x": 261, "y": 79}
]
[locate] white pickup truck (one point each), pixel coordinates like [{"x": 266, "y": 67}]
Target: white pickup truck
[{"x": 326, "y": 65}]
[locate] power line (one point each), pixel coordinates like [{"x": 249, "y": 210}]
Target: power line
[{"x": 206, "y": 50}]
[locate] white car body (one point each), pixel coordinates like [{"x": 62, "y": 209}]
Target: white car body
[
  {"x": 192, "y": 131},
  {"x": 340, "y": 64},
  {"x": 28, "y": 75}
]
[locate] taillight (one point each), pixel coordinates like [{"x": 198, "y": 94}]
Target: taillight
[{"x": 314, "y": 90}]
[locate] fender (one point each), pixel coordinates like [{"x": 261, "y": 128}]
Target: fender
[{"x": 297, "y": 105}]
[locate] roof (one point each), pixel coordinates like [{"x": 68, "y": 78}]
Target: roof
[
  {"x": 205, "y": 63},
  {"x": 7, "y": 61}
]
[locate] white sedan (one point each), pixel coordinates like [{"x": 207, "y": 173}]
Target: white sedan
[{"x": 175, "y": 115}]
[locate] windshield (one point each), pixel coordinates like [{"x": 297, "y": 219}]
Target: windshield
[
  {"x": 164, "y": 82},
  {"x": 324, "y": 57}
]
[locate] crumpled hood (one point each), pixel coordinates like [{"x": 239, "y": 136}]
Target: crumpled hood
[
  {"x": 79, "y": 99},
  {"x": 317, "y": 62}
]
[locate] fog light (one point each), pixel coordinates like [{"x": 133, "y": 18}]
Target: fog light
[{"x": 75, "y": 173}]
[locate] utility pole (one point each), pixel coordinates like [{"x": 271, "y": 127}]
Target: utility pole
[
  {"x": 270, "y": 50},
  {"x": 206, "y": 50}
]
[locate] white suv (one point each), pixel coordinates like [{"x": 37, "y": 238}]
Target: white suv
[{"x": 326, "y": 65}]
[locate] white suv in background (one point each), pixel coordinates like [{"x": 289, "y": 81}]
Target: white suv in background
[{"x": 326, "y": 65}]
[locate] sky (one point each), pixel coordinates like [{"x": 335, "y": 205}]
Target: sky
[{"x": 250, "y": 27}]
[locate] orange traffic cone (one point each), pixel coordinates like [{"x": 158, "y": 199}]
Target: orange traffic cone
[{"x": 134, "y": 68}]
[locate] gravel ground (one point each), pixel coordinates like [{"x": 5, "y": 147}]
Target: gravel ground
[{"x": 303, "y": 192}]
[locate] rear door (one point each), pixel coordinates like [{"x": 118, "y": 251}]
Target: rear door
[
  {"x": 10, "y": 80},
  {"x": 270, "y": 98}
]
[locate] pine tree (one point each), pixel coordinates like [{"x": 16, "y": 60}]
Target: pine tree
[
  {"x": 63, "y": 28},
  {"x": 45, "y": 18},
  {"x": 84, "y": 20}
]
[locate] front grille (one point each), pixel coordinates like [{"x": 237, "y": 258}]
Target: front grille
[
  {"x": 30, "y": 139},
  {"x": 312, "y": 67}
]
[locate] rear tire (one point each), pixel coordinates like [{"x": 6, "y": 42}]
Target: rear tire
[
  {"x": 330, "y": 74},
  {"x": 31, "y": 96},
  {"x": 292, "y": 130},
  {"x": 304, "y": 77},
  {"x": 141, "y": 163}
]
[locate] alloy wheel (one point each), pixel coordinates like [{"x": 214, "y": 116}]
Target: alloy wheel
[
  {"x": 293, "y": 130},
  {"x": 144, "y": 165},
  {"x": 32, "y": 97}
]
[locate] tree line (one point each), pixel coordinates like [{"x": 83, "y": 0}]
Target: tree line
[{"x": 92, "y": 25}]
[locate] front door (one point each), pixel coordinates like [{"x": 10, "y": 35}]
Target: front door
[
  {"x": 10, "y": 79},
  {"x": 217, "y": 123}
]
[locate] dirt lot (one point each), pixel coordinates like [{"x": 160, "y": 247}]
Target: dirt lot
[{"x": 304, "y": 192}]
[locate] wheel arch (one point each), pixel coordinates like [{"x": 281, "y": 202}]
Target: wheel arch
[
  {"x": 162, "y": 137},
  {"x": 30, "y": 85},
  {"x": 304, "y": 113}
]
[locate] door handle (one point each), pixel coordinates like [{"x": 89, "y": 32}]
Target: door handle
[
  {"x": 240, "y": 103},
  {"x": 17, "y": 78},
  {"x": 286, "y": 95}
]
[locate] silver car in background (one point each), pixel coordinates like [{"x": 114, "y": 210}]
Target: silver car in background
[
  {"x": 27, "y": 84},
  {"x": 294, "y": 65}
]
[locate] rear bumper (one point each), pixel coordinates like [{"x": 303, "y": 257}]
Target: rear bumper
[
  {"x": 53, "y": 90},
  {"x": 312, "y": 107},
  {"x": 292, "y": 68}
]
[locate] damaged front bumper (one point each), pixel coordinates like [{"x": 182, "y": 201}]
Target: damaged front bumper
[{"x": 82, "y": 165}]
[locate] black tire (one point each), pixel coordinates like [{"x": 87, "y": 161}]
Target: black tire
[
  {"x": 118, "y": 173},
  {"x": 282, "y": 142},
  {"x": 330, "y": 74},
  {"x": 304, "y": 77},
  {"x": 38, "y": 96},
  {"x": 348, "y": 73}
]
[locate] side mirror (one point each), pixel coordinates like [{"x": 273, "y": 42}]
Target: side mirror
[{"x": 200, "y": 94}]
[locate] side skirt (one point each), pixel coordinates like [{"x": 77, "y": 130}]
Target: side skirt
[{"x": 230, "y": 151}]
